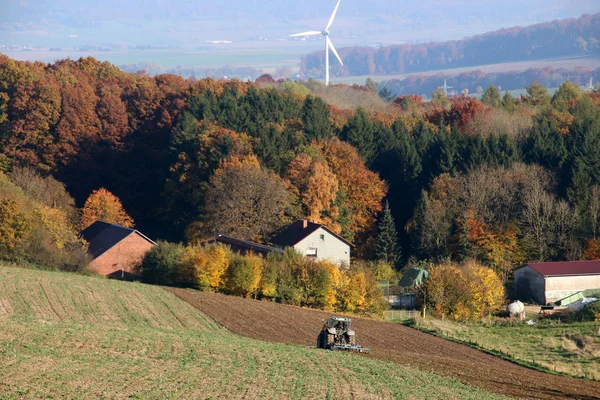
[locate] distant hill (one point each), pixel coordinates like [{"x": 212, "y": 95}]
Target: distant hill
[
  {"x": 472, "y": 80},
  {"x": 556, "y": 39}
]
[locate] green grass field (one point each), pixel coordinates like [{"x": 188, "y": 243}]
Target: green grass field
[
  {"x": 72, "y": 336},
  {"x": 570, "y": 348}
]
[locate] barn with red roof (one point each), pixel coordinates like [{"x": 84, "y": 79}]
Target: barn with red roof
[{"x": 547, "y": 282}]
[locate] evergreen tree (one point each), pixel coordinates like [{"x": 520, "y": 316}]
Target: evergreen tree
[
  {"x": 315, "y": 117},
  {"x": 537, "y": 95},
  {"x": 491, "y": 97},
  {"x": 386, "y": 245},
  {"x": 360, "y": 133},
  {"x": 509, "y": 103}
]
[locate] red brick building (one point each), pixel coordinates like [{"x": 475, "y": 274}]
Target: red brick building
[{"x": 115, "y": 249}]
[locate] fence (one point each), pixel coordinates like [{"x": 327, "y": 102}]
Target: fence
[{"x": 398, "y": 315}]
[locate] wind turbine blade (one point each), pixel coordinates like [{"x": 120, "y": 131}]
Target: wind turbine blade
[
  {"x": 309, "y": 33},
  {"x": 333, "y": 15},
  {"x": 330, "y": 44}
]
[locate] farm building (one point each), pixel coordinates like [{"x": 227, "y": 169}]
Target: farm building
[
  {"x": 115, "y": 249},
  {"x": 548, "y": 282},
  {"x": 243, "y": 246},
  {"x": 315, "y": 240}
]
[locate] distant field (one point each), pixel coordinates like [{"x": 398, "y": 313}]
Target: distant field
[
  {"x": 70, "y": 336},
  {"x": 571, "y": 348},
  {"x": 567, "y": 63}
]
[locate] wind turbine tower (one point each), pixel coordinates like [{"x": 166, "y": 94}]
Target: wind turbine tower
[
  {"x": 328, "y": 44},
  {"x": 445, "y": 88}
]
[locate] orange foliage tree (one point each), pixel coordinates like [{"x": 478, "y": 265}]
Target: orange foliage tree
[
  {"x": 102, "y": 205},
  {"x": 363, "y": 188},
  {"x": 498, "y": 248},
  {"x": 316, "y": 186}
]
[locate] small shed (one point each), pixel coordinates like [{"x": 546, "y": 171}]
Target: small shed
[
  {"x": 548, "y": 282},
  {"x": 413, "y": 277},
  {"x": 315, "y": 241},
  {"x": 115, "y": 249}
]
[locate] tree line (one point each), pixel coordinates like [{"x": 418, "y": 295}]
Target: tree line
[{"x": 559, "y": 38}]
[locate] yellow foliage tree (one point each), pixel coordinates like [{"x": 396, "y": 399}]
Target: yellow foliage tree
[
  {"x": 102, "y": 205},
  {"x": 209, "y": 264},
  {"x": 463, "y": 292},
  {"x": 61, "y": 232},
  {"x": 14, "y": 225}
]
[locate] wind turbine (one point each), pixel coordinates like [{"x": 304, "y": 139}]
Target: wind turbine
[
  {"x": 445, "y": 88},
  {"x": 328, "y": 45}
]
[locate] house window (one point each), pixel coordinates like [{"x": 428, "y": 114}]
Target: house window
[
  {"x": 311, "y": 253},
  {"x": 323, "y": 237}
]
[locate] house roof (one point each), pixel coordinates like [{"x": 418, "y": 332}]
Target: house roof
[
  {"x": 561, "y": 268},
  {"x": 413, "y": 277},
  {"x": 298, "y": 231},
  {"x": 102, "y": 236},
  {"x": 245, "y": 244}
]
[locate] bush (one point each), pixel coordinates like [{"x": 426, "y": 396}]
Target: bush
[
  {"x": 164, "y": 265},
  {"x": 243, "y": 275},
  {"x": 591, "y": 312},
  {"x": 209, "y": 264}
]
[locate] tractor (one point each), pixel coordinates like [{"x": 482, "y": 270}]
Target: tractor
[{"x": 337, "y": 335}]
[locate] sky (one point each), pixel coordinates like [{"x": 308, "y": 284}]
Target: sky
[{"x": 255, "y": 26}]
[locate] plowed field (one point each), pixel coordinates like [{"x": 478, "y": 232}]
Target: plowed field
[{"x": 287, "y": 324}]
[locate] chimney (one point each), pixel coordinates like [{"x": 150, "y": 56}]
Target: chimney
[{"x": 304, "y": 224}]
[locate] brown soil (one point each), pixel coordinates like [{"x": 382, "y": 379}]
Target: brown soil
[{"x": 391, "y": 342}]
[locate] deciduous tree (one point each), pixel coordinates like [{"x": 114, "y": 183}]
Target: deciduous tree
[{"x": 102, "y": 205}]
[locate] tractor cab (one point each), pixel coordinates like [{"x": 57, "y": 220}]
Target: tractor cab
[{"x": 339, "y": 326}]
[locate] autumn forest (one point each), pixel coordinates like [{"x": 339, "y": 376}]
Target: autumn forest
[{"x": 501, "y": 180}]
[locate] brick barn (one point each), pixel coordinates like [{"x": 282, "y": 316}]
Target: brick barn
[
  {"x": 115, "y": 249},
  {"x": 548, "y": 282}
]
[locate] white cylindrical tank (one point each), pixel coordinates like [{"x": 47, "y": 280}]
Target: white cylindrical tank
[{"x": 515, "y": 308}]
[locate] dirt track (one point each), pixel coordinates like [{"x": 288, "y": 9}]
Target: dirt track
[{"x": 287, "y": 324}]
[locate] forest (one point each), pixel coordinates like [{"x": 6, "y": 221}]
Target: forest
[
  {"x": 500, "y": 180},
  {"x": 556, "y": 39}
]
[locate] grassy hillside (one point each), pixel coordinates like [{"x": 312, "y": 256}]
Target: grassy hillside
[
  {"x": 73, "y": 336},
  {"x": 570, "y": 348}
]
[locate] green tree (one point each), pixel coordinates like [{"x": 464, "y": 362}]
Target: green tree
[
  {"x": 164, "y": 265},
  {"x": 439, "y": 99},
  {"x": 565, "y": 97},
  {"x": 386, "y": 243},
  {"x": 537, "y": 95},
  {"x": 316, "y": 119},
  {"x": 491, "y": 97},
  {"x": 360, "y": 133},
  {"x": 508, "y": 102}
]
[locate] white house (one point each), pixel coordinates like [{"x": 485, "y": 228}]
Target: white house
[
  {"x": 548, "y": 282},
  {"x": 315, "y": 240}
]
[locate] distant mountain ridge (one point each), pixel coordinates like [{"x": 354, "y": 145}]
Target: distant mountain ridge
[{"x": 559, "y": 38}]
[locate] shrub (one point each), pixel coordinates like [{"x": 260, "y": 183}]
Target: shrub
[
  {"x": 209, "y": 264},
  {"x": 591, "y": 312},
  {"x": 243, "y": 275},
  {"x": 164, "y": 265}
]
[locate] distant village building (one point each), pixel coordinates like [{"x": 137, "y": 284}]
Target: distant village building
[
  {"x": 548, "y": 282},
  {"x": 115, "y": 249},
  {"x": 316, "y": 241},
  {"x": 243, "y": 247}
]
